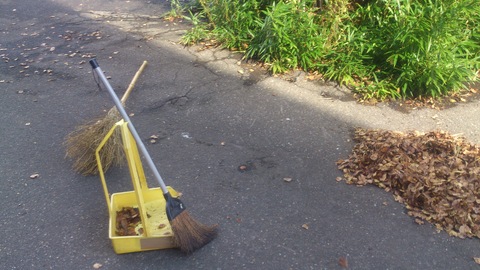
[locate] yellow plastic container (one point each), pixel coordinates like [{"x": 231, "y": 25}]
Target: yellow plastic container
[{"x": 154, "y": 231}]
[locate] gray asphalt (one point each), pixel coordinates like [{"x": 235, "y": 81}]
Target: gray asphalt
[{"x": 212, "y": 113}]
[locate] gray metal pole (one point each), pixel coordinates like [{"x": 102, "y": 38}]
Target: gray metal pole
[{"x": 125, "y": 117}]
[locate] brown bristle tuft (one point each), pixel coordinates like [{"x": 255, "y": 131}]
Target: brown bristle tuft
[
  {"x": 189, "y": 234},
  {"x": 82, "y": 143}
]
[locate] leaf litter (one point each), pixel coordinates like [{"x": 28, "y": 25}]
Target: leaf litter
[
  {"x": 435, "y": 175},
  {"x": 127, "y": 220}
]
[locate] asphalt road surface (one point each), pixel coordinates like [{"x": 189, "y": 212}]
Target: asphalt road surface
[{"x": 253, "y": 153}]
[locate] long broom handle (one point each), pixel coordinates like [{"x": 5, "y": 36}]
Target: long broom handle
[
  {"x": 138, "y": 140},
  {"x": 132, "y": 83}
]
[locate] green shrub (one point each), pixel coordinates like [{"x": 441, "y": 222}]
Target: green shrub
[
  {"x": 198, "y": 32},
  {"x": 424, "y": 47},
  {"x": 380, "y": 48},
  {"x": 234, "y": 22},
  {"x": 287, "y": 38}
]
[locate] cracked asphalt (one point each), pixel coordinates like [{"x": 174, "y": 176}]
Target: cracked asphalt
[{"x": 212, "y": 113}]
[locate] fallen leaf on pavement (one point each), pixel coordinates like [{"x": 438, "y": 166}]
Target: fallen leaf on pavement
[
  {"x": 242, "y": 168},
  {"x": 343, "y": 262},
  {"x": 153, "y": 139},
  {"x": 419, "y": 221}
]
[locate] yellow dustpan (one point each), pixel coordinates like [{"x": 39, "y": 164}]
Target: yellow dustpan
[{"x": 154, "y": 230}]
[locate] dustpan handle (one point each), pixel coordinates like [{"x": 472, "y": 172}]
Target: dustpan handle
[
  {"x": 100, "y": 166},
  {"x": 138, "y": 140}
]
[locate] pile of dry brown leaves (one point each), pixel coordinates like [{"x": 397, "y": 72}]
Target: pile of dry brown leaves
[
  {"x": 127, "y": 220},
  {"x": 436, "y": 175}
]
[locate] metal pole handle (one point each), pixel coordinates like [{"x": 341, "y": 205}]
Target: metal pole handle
[{"x": 138, "y": 140}]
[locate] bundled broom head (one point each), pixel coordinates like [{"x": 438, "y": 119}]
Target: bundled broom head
[
  {"x": 82, "y": 143},
  {"x": 188, "y": 234}
]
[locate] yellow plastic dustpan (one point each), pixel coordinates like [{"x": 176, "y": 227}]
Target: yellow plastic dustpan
[{"x": 154, "y": 230}]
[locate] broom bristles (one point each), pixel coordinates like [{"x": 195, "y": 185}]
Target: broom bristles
[
  {"x": 82, "y": 143},
  {"x": 190, "y": 235}
]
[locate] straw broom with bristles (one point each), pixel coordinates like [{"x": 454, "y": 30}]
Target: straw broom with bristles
[
  {"x": 82, "y": 143},
  {"x": 188, "y": 234}
]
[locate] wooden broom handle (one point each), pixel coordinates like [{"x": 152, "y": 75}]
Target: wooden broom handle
[{"x": 132, "y": 83}]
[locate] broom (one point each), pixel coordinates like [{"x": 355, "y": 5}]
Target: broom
[
  {"x": 84, "y": 140},
  {"x": 188, "y": 234}
]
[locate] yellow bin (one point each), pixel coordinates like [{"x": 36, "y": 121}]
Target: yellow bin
[{"x": 154, "y": 230}]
